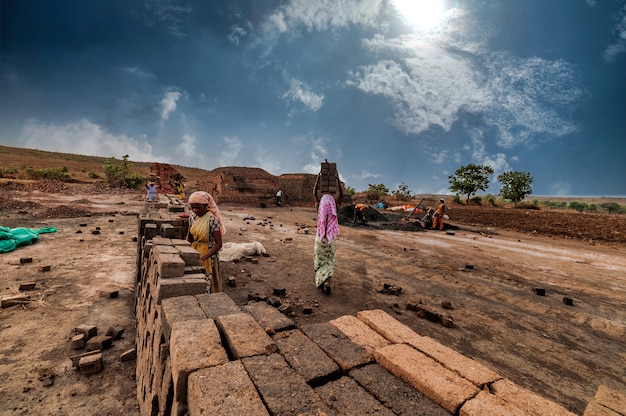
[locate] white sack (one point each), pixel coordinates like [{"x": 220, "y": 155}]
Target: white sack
[{"x": 231, "y": 251}]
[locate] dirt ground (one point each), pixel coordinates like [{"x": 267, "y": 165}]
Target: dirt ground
[{"x": 484, "y": 270}]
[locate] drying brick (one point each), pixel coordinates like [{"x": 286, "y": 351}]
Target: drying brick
[
  {"x": 190, "y": 284},
  {"x": 188, "y": 254},
  {"x": 170, "y": 265},
  {"x": 359, "y": 332},
  {"x": 529, "y": 402},
  {"x": 610, "y": 398},
  {"x": 345, "y": 393},
  {"x": 387, "y": 326},
  {"x": 217, "y": 304},
  {"x": 268, "y": 317},
  {"x": 338, "y": 347},
  {"x": 244, "y": 336},
  {"x": 596, "y": 409},
  {"x": 443, "y": 386},
  {"x": 183, "y": 308},
  {"x": 487, "y": 404}
]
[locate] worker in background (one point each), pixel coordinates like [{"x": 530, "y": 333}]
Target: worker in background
[
  {"x": 359, "y": 214},
  {"x": 438, "y": 217},
  {"x": 151, "y": 192},
  {"x": 279, "y": 198}
]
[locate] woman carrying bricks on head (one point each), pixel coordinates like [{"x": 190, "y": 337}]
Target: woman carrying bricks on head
[
  {"x": 324, "y": 252},
  {"x": 205, "y": 235}
]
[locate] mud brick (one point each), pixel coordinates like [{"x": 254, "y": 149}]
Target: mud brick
[
  {"x": 394, "y": 393},
  {"x": 28, "y": 286},
  {"x": 193, "y": 345},
  {"x": 76, "y": 358},
  {"x": 359, "y": 333},
  {"x": 189, "y": 255},
  {"x": 386, "y": 325},
  {"x": 232, "y": 282},
  {"x": 244, "y": 337},
  {"x": 345, "y": 393},
  {"x": 447, "y": 321},
  {"x": 306, "y": 357},
  {"x": 338, "y": 346},
  {"x": 596, "y": 409},
  {"x": 234, "y": 395},
  {"x": 90, "y": 364},
  {"x": 78, "y": 342},
  {"x": 568, "y": 301},
  {"x": 167, "y": 230},
  {"x": 445, "y": 387},
  {"x": 180, "y": 286},
  {"x": 45, "y": 268},
  {"x": 282, "y": 389},
  {"x": 528, "y": 402},
  {"x": 487, "y": 404},
  {"x": 217, "y": 304},
  {"x": 476, "y": 373},
  {"x": 268, "y": 316},
  {"x": 170, "y": 265},
  {"x": 194, "y": 269},
  {"x": 114, "y": 332},
  {"x": 90, "y": 331},
  {"x": 15, "y": 300},
  {"x": 274, "y": 301},
  {"x": 539, "y": 292},
  {"x": 114, "y": 294},
  {"x": 99, "y": 342},
  {"x": 182, "y": 308},
  {"x": 610, "y": 398},
  {"x": 279, "y": 291},
  {"x": 307, "y": 310},
  {"x": 162, "y": 241},
  {"x": 285, "y": 309},
  {"x": 150, "y": 231},
  {"x": 24, "y": 260},
  {"x": 179, "y": 241},
  {"x": 128, "y": 355}
]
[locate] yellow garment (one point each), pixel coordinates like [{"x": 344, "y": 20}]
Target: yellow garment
[{"x": 201, "y": 230}]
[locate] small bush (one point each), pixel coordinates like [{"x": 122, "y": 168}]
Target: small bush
[
  {"x": 456, "y": 199},
  {"x": 476, "y": 200},
  {"x": 8, "y": 173},
  {"x": 93, "y": 175},
  {"x": 613, "y": 208},
  {"x": 37, "y": 174},
  {"x": 578, "y": 206}
]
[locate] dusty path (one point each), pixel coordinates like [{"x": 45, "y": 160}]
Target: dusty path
[{"x": 561, "y": 352}]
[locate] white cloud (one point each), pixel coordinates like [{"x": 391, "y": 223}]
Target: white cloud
[
  {"x": 168, "y": 13},
  {"x": 85, "y": 138},
  {"x": 268, "y": 162},
  {"x": 230, "y": 154},
  {"x": 619, "y": 46},
  {"x": 168, "y": 104},
  {"x": 561, "y": 188},
  {"x": 299, "y": 91},
  {"x": 236, "y": 33},
  {"x": 591, "y": 3}
]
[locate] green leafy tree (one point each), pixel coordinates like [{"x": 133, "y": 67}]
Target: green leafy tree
[
  {"x": 119, "y": 176},
  {"x": 515, "y": 185},
  {"x": 469, "y": 179},
  {"x": 380, "y": 188},
  {"x": 403, "y": 192}
]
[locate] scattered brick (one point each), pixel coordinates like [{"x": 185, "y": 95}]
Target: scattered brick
[
  {"x": 115, "y": 332},
  {"x": 114, "y": 294},
  {"x": 279, "y": 291},
  {"x": 90, "y": 331},
  {"x": 232, "y": 282},
  {"x": 128, "y": 355},
  {"x": 76, "y": 358},
  {"x": 539, "y": 292},
  {"x": 24, "y": 260},
  {"x": 99, "y": 342},
  {"x": 90, "y": 364},
  {"x": 568, "y": 301},
  {"x": 78, "y": 342},
  {"x": 28, "y": 286}
]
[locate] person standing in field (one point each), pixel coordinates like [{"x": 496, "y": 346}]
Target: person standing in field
[
  {"x": 325, "y": 250},
  {"x": 205, "y": 235},
  {"x": 279, "y": 198},
  {"x": 438, "y": 217}
]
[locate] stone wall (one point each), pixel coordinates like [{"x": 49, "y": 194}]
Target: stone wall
[{"x": 202, "y": 354}]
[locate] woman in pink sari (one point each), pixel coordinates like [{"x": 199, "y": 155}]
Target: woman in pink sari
[{"x": 325, "y": 250}]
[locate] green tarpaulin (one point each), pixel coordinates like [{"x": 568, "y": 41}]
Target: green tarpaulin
[{"x": 11, "y": 238}]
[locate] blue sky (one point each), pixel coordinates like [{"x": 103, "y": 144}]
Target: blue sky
[{"x": 392, "y": 91}]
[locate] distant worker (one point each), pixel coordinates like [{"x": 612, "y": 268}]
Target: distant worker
[
  {"x": 325, "y": 250},
  {"x": 438, "y": 216},
  {"x": 205, "y": 236},
  {"x": 359, "y": 214},
  {"x": 279, "y": 198},
  {"x": 151, "y": 192}
]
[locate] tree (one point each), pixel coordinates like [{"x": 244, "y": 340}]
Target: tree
[
  {"x": 380, "y": 188},
  {"x": 118, "y": 176},
  {"x": 515, "y": 185},
  {"x": 403, "y": 192},
  {"x": 468, "y": 179}
]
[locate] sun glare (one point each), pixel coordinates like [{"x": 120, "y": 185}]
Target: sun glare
[{"x": 424, "y": 15}]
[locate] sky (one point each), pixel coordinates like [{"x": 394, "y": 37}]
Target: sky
[{"x": 396, "y": 92}]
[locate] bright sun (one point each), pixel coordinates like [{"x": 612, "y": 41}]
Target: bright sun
[{"x": 422, "y": 14}]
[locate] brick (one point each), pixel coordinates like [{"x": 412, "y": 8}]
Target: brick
[
  {"x": 610, "y": 398},
  {"x": 338, "y": 346},
  {"x": 596, "y": 409},
  {"x": 445, "y": 387},
  {"x": 167, "y": 230},
  {"x": 193, "y": 345},
  {"x": 76, "y": 358},
  {"x": 387, "y": 326},
  {"x": 189, "y": 254},
  {"x": 472, "y": 370},
  {"x": 27, "y": 286},
  {"x": 217, "y": 304},
  {"x": 281, "y": 388},
  {"x": 345, "y": 393},
  {"x": 487, "y": 404},
  {"x": 244, "y": 336},
  {"x": 90, "y": 364},
  {"x": 170, "y": 265},
  {"x": 306, "y": 357},
  {"x": 180, "y": 286},
  {"x": 234, "y": 395},
  {"x": 115, "y": 332},
  {"x": 128, "y": 355},
  {"x": 394, "y": 393},
  {"x": 183, "y": 308},
  {"x": 90, "y": 331},
  {"x": 526, "y": 400},
  {"x": 150, "y": 231},
  {"x": 269, "y": 317},
  {"x": 78, "y": 341},
  {"x": 99, "y": 342},
  {"x": 359, "y": 332},
  {"x": 161, "y": 241}
]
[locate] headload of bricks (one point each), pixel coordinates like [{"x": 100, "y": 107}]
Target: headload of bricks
[{"x": 202, "y": 354}]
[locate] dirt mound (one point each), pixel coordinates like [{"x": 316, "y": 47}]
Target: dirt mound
[{"x": 62, "y": 211}]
